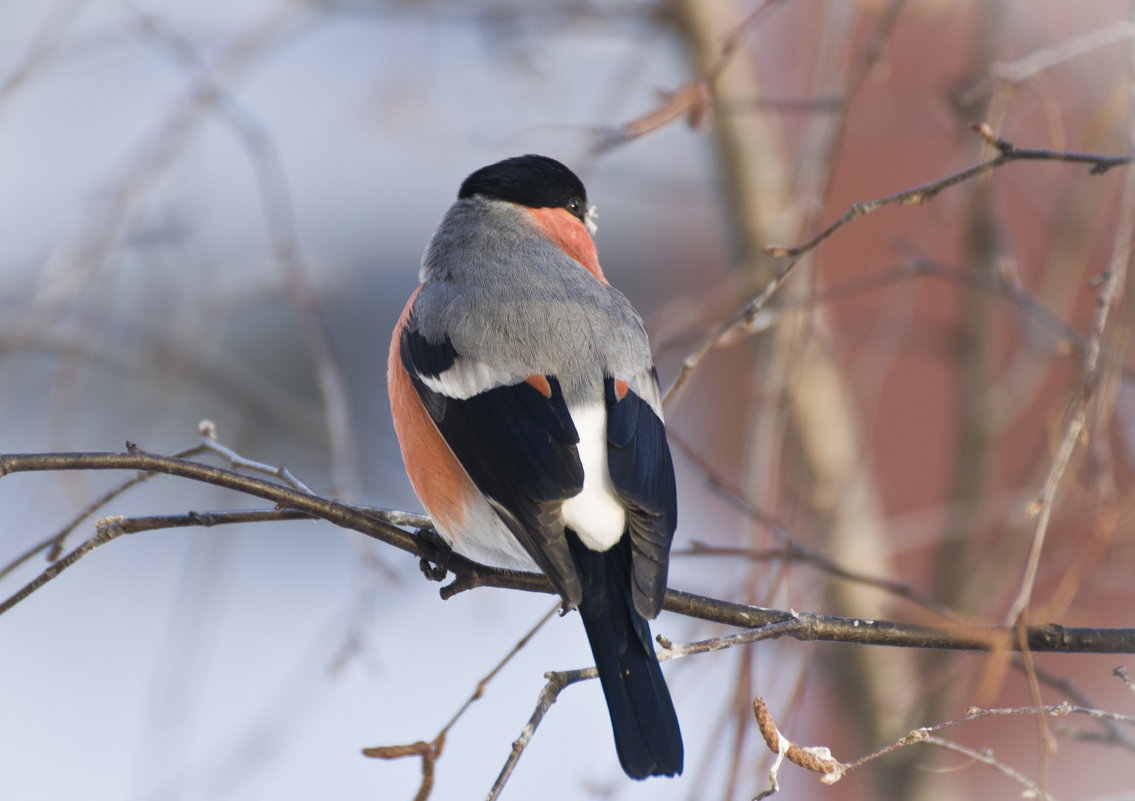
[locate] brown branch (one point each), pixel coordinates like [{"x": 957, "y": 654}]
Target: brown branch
[
  {"x": 136, "y": 525},
  {"x": 961, "y": 636},
  {"x": 759, "y": 623},
  {"x": 1008, "y": 152},
  {"x": 52, "y": 547},
  {"x": 340, "y": 514},
  {"x": 469, "y": 574},
  {"x": 1041, "y": 508},
  {"x": 557, "y": 681},
  {"x": 748, "y": 318},
  {"x": 691, "y": 101},
  {"x": 922, "y": 266}
]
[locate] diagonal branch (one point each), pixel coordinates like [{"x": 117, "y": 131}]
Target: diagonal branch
[
  {"x": 1007, "y": 152},
  {"x": 748, "y": 317}
]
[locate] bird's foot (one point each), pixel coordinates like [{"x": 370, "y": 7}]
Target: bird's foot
[{"x": 435, "y": 553}]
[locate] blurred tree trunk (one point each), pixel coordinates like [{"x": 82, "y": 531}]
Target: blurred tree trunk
[{"x": 801, "y": 404}]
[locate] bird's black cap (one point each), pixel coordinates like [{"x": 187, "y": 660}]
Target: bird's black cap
[{"x": 537, "y": 182}]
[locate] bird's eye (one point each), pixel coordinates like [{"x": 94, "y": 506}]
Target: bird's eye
[{"x": 575, "y": 206}]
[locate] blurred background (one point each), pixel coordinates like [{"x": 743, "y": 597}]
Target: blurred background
[{"x": 216, "y": 211}]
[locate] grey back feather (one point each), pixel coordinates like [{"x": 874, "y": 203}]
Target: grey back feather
[{"x": 506, "y": 296}]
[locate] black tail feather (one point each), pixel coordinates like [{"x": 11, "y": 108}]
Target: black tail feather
[{"x": 647, "y": 737}]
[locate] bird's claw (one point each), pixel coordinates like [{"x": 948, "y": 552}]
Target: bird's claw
[{"x": 434, "y": 562}]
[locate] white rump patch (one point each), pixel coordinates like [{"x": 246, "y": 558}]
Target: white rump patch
[
  {"x": 595, "y": 514},
  {"x": 466, "y": 378}
]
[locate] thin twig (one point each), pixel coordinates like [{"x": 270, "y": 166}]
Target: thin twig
[
  {"x": 557, "y": 681},
  {"x": 978, "y": 713},
  {"x": 1028, "y": 67},
  {"x": 430, "y": 752},
  {"x": 817, "y": 759},
  {"x": 1113, "y": 734},
  {"x": 792, "y": 550},
  {"x": 1075, "y": 428},
  {"x": 743, "y": 320},
  {"x": 926, "y": 192},
  {"x": 340, "y": 514},
  {"x": 985, "y": 756},
  {"x": 691, "y": 101},
  {"x": 44, "y": 45},
  {"x": 820, "y": 760},
  {"x": 921, "y": 266},
  {"x": 53, "y": 545},
  {"x": 279, "y": 216},
  {"x": 238, "y": 462},
  {"x": 105, "y": 531}
]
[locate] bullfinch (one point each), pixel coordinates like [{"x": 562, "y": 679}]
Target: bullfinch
[{"x": 528, "y": 410}]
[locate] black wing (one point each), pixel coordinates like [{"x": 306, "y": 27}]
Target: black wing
[
  {"x": 519, "y": 448},
  {"x": 642, "y": 472}
]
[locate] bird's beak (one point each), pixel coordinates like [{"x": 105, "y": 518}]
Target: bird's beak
[{"x": 589, "y": 220}]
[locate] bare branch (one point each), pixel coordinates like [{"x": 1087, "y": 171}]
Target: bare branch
[
  {"x": 792, "y": 550},
  {"x": 820, "y": 760},
  {"x": 341, "y": 514},
  {"x": 1008, "y": 152},
  {"x": 960, "y": 636},
  {"x": 136, "y": 525},
  {"x": 747, "y": 319},
  {"x": 53, "y": 545},
  {"x": 556, "y": 682},
  {"x": 801, "y": 626},
  {"x": 45, "y": 44},
  {"x": 985, "y": 756},
  {"x": 692, "y": 101},
  {"x": 1028, "y": 67},
  {"x": 1075, "y": 428},
  {"x": 430, "y": 752},
  {"x": 279, "y": 216},
  {"x": 239, "y": 462}
]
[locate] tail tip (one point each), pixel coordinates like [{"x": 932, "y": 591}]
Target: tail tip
[{"x": 664, "y": 759}]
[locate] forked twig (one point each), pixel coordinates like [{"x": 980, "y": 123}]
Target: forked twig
[
  {"x": 557, "y": 681},
  {"x": 819, "y": 759},
  {"x": 748, "y": 318},
  {"x": 430, "y": 752},
  {"x": 693, "y": 100}
]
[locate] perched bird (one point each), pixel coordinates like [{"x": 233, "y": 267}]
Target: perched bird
[{"x": 530, "y": 419}]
